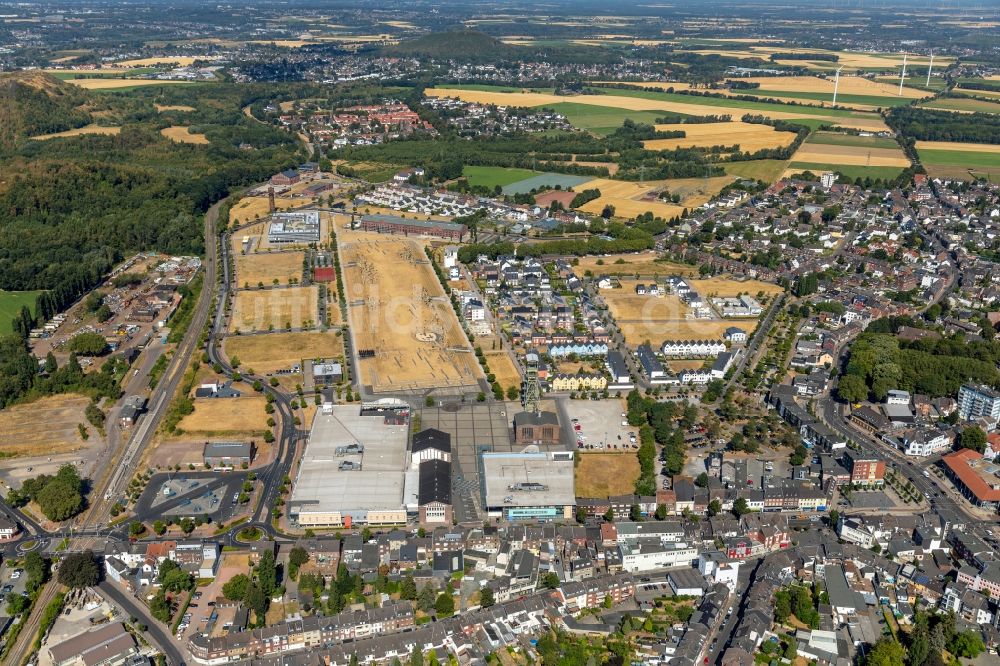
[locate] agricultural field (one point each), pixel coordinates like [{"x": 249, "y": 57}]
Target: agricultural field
[
  {"x": 398, "y": 309},
  {"x": 642, "y": 100},
  {"x": 226, "y": 415},
  {"x": 545, "y": 179},
  {"x": 606, "y": 474},
  {"x": 850, "y": 59},
  {"x": 279, "y": 351},
  {"x": 631, "y": 199},
  {"x": 948, "y": 159},
  {"x": 275, "y": 309},
  {"x": 101, "y": 83},
  {"x": 182, "y": 134},
  {"x": 492, "y": 176},
  {"x": 838, "y": 139},
  {"x": 47, "y": 426},
  {"x": 265, "y": 267},
  {"x": 963, "y": 105},
  {"x": 643, "y": 263},
  {"x": 180, "y": 61},
  {"x": 11, "y": 303},
  {"x": 749, "y": 136},
  {"x": 849, "y": 156},
  {"x": 599, "y": 119},
  {"x": 173, "y": 107},
  {"x": 766, "y": 171},
  {"x": 79, "y": 131},
  {"x": 849, "y": 172}
]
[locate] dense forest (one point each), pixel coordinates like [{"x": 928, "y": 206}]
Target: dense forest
[{"x": 927, "y": 125}]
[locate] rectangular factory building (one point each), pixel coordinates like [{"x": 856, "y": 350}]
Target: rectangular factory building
[
  {"x": 391, "y": 224},
  {"x": 528, "y": 486},
  {"x": 301, "y": 227},
  {"x": 354, "y": 469}
]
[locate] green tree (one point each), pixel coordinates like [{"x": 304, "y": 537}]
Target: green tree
[
  {"x": 236, "y": 587},
  {"x": 444, "y": 606},
  {"x": 973, "y": 438},
  {"x": 425, "y": 600},
  {"x": 79, "y": 570},
  {"x": 852, "y": 388},
  {"x": 298, "y": 556},
  {"x": 267, "y": 573},
  {"x": 740, "y": 507},
  {"x": 714, "y": 508},
  {"x": 702, "y": 480},
  {"x": 886, "y": 652},
  {"x": 408, "y": 589},
  {"x": 88, "y": 344},
  {"x": 968, "y": 644},
  {"x": 159, "y": 607},
  {"x": 486, "y": 597},
  {"x": 550, "y": 580}
]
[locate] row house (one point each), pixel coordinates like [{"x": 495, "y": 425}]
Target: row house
[{"x": 688, "y": 348}]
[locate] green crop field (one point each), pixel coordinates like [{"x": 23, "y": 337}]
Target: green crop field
[
  {"x": 836, "y": 139},
  {"x": 989, "y": 158},
  {"x": 870, "y": 100},
  {"x": 492, "y": 176},
  {"x": 602, "y": 119},
  {"x": 11, "y": 303},
  {"x": 963, "y": 104},
  {"x": 485, "y": 87},
  {"x": 765, "y": 170},
  {"x": 852, "y": 172}
]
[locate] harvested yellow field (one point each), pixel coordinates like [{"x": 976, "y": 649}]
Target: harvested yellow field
[
  {"x": 44, "y": 427},
  {"x": 643, "y": 263},
  {"x": 280, "y": 351},
  {"x": 79, "y": 131},
  {"x": 872, "y": 123},
  {"x": 849, "y": 59},
  {"x": 275, "y": 309},
  {"x": 399, "y": 311},
  {"x": 265, "y": 267},
  {"x": 726, "y": 286},
  {"x": 749, "y": 136},
  {"x": 955, "y": 145},
  {"x": 604, "y": 475},
  {"x": 111, "y": 84},
  {"x": 850, "y": 155},
  {"x": 181, "y": 134},
  {"x": 659, "y": 330},
  {"x": 226, "y": 415},
  {"x": 254, "y": 208},
  {"x": 627, "y": 196},
  {"x": 180, "y": 61},
  {"x": 173, "y": 107},
  {"x": 657, "y": 85},
  {"x": 849, "y": 85},
  {"x": 627, "y": 306}
]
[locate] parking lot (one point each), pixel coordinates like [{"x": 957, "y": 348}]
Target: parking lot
[
  {"x": 12, "y": 581},
  {"x": 204, "y": 604},
  {"x": 191, "y": 495},
  {"x": 597, "y": 425}
]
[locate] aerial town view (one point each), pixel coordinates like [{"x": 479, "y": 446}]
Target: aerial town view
[{"x": 424, "y": 333}]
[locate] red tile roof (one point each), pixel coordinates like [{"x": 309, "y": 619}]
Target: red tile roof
[{"x": 959, "y": 463}]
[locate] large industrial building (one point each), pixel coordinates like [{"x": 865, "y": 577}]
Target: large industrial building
[
  {"x": 356, "y": 468},
  {"x": 391, "y": 224},
  {"x": 300, "y": 227},
  {"x": 529, "y": 485}
]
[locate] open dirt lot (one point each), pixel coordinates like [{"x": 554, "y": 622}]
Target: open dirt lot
[
  {"x": 502, "y": 366},
  {"x": 658, "y": 330},
  {"x": 44, "y": 427},
  {"x": 226, "y": 415},
  {"x": 252, "y": 208},
  {"x": 180, "y": 134},
  {"x": 269, "y": 309},
  {"x": 850, "y": 155},
  {"x": 626, "y": 305},
  {"x": 642, "y": 104},
  {"x": 398, "y": 308},
  {"x": 750, "y": 137},
  {"x": 265, "y": 267},
  {"x": 279, "y": 351},
  {"x": 644, "y": 263},
  {"x": 724, "y": 286},
  {"x": 606, "y": 474},
  {"x": 86, "y": 129}
]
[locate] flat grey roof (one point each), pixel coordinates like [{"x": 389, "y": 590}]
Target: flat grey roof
[
  {"x": 321, "y": 487},
  {"x": 502, "y": 470}
]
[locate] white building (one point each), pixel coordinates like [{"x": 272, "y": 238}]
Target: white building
[
  {"x": 651, "y": 556},
  {"x": 683, "y": 348},
  {"x": 896, "y": 397},
  {"x": 925, "y": 442}
]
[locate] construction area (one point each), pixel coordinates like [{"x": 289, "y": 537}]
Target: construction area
[
  {"x": 355, "y": 468},
  {"x": 405, "y": 333}
]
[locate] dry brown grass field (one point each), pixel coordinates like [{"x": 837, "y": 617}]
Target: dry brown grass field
[
  {"x": 606, "y": 474},
  {"x": 680, "y": 366},
  {"x": 44, "y": 427},
  {"x": 749, "y": 136},
  {"x": 657, "y": 331},
  {"x": 850, "y": 155},
  {"x": 397, "y": 308},
  {"x": 627, "y": 197},
  {"x": 86, "y": 129},
  {"x": 726, "y": 286},
  {"x": 111, "y": 84},
  {"x": 226, "y": 415},
  {"x": 180, "y": 61},
  {"x": 644, "y": 263},
  {"x": 173, "y": 107},
  {"x": 279, "y": 351},
  {"x": 957, "y": 145},
  {"x": 502, "y": 366},
  {"x": 266, "y": 266},
  {"x": 627, "y": 306},
  {"x": 180, "y": 134},
  {"x": 274, "y": 309},
  {"x": 252, "y": 208}
]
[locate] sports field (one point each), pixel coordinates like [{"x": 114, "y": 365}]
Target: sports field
[
  {"x": 11, "y": 303},
  {"x": 947, "y": 159},
  {"x": 181, "y": 134},
  {"x": 280, "y": 351},
  {"x": 46, "y": 426},
  {"x": 642, "y": 100},
  {"x": 749, "y": 136},
  {"x": 265, "y": 267},
  {"x": 492, "y": 176},
  {"x": 79, "y": 131},
  {"x": 226, "y": 415},
  {"x": 642, "y": 263},
  {"x": 274, "y": 309},
  {"x": 398, "y": 311}
]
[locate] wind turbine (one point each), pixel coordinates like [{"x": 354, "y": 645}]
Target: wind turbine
[
  {"x": 902, "y": 75},
  {"x": 929, "y": 68},
  {"x": 836, "y": 84}
]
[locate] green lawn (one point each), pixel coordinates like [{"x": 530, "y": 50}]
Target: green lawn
[
  {"x": 836, "y": 139},
  {"x": 11, "y": 303},
  {"x": 852, "y": 172},
  {"x": 602, "y": 119},
  {"x": 490, "y": 177},
  {"x": 989, "y": 158},
  {"x": 703, "y": 101},
  {"x": 765, "y": 170},
  {"x": 871, "y": 100}
]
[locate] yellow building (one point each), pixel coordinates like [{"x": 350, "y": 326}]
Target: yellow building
[{"x": 581, "y": 382}]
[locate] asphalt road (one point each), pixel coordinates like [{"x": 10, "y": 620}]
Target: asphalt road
[{"x": 156, "y": 633}]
